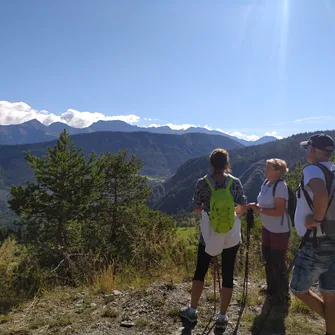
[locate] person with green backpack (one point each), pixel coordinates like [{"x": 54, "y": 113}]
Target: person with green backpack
[{"x": 220, "y": 198}]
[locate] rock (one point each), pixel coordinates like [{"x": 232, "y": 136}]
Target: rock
[
  {"x": 116, "y": 292},
  {"x": 67, "y": 329},
  {"x": 93, "y": 304},
  {"x": 127, "y": 324}
]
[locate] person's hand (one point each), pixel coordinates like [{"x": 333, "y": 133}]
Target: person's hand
[
  {"x": 310, "y": 223},
  {"x": 254, "y": 207},
  {"x": 251, "y": 204},
  {"x": 240, "y": 209}
]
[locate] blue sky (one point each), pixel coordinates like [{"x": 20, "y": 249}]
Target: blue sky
[{"x": 246, "y": 67}]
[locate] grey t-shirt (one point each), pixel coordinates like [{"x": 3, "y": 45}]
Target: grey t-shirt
[{"x": 274, "y": 224}]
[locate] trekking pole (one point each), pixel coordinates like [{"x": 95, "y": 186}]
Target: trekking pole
[
  {"x": 215, "y": 271},
  {"x": 250, "y": 224}
]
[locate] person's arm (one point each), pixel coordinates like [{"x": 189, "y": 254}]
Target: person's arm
[
  {"x": 320, "y": 200},
  {"x": 315, "y": 179},
  {"x": 278, "y": 210},
  {"x": 197, "y": 198}
]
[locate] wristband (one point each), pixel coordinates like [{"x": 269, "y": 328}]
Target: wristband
[{"x": 318, "y": 221}]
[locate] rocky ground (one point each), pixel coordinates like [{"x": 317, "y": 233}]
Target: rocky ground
[{"x": 151, "y": 310}]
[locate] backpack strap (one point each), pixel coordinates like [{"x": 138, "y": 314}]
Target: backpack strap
[
  {"x": 210, "y": 182},
  {"x": 230, "y": 181},
  {"x": 273, "y": 194},
  {"x": 329, "y": 175},
  {"x": 275, "y": 186},
  {"x": 212, "y": 185},
  {"x": 265, "y": 182}
]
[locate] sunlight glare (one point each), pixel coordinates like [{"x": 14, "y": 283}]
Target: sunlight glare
[
  {"x": 283, "y": 37},
  {"x": 330, "y": 7}
]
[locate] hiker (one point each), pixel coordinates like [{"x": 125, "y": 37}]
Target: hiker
[
  {"x": 276, "y": 224},
  {"x": 315, "y": 220},
  {"x": 225, "y": 219}
]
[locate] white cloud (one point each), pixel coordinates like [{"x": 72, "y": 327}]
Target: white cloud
[
  {"x": 150, "y": 119},
  {"x": 84, "y": 119},
  {"x": 308, "y": 120},
  {"x": 173, "y": 126},
  {"x": 273, "y": 133},
  {"x": 19, "y": 112},
  {"x": 186, "y": 126},
  {"x": 244, "y": 136}
]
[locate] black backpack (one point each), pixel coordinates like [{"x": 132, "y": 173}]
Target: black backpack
[{"x": 292, "y": 201}]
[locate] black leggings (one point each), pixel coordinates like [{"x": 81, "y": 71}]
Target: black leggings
[{"x": 228, "y": 257}]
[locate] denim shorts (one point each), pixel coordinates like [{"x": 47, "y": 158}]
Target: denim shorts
[{"x": 314, "y": 264}]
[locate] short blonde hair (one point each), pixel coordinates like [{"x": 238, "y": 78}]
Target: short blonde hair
[{"x": 279, "y": 165}]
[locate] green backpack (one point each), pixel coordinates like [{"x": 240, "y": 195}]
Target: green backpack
[{"x": 222, "y": 207}]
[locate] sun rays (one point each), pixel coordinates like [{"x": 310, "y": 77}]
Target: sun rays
[{"x": 284, "y": 31}]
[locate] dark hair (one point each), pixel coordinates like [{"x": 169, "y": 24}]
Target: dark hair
[{"x": 219, "y": 159}]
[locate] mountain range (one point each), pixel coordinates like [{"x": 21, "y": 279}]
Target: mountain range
[{"x": 34, "y": 131}]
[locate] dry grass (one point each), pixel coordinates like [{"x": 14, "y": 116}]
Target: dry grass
[
  {"x": 297, "y": 306},
  {"x": 297, "y": 320},
  {"x": 104, "y": 281}
]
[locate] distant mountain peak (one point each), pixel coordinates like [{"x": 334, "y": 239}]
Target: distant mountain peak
[{"x": 33, "y": 123}]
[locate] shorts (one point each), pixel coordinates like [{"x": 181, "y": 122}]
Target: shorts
[{"x": 314, "y": 264}]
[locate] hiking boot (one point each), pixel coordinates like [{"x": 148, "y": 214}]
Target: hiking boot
[
  {"x": 221, "y": 322},
  {"x": 186, "y": 313}
]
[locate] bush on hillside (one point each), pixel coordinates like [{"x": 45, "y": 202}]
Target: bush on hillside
[{"x": 21, "y": 277}]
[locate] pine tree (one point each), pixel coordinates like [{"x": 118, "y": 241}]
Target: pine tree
[
  {"x": 54, "y": 208},
  {"x": 123, "y": 192}
]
